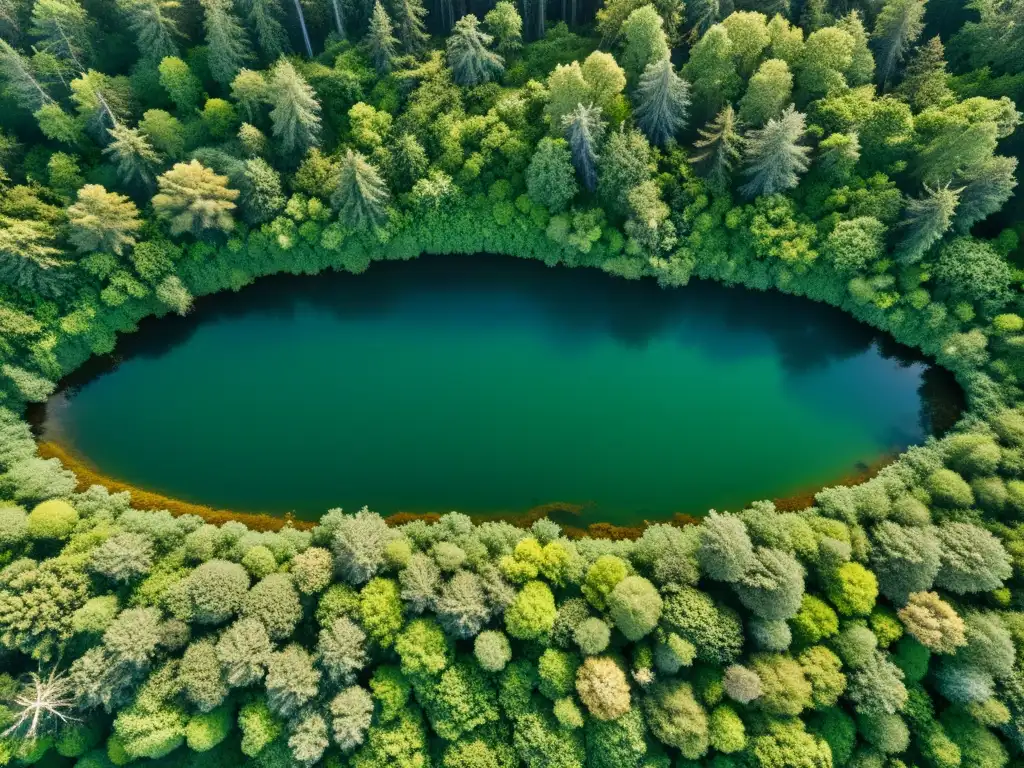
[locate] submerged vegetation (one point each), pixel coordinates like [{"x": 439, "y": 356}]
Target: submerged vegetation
[{"x": 856, "y": 153}]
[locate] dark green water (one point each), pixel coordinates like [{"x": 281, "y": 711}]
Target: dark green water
[{"x": 486, "y": 384}]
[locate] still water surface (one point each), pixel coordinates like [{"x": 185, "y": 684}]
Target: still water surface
[{"x": 494, "y": 385}]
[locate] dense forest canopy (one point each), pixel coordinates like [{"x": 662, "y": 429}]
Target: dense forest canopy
[{"x": 860, "y": 153}]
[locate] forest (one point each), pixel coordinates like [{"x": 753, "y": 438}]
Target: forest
[{"x": 858, "y": 152}]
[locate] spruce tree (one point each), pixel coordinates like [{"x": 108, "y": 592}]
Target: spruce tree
[
  {"x": 226, "y": 41},
  {"x": 662, "y": 102},
  {"x": 898, "y": 25},
  {"x": 295, "y": 113},
  {"x": 265, "y": 18},
  {"x": 153, "y": 26},
  {"x": 986, "y": 187},
  {"x": 380, "y": 41},
  {"x": 471, "y": 62},
  {"x": 925, "y": 220},
  {"x": 924, "y": 82},
  {"x": 63, "y": 28},
  {"x": 361, "y": 197},
  {"x": 103, "y": 221},
  {"x": 720, "y": 145},
  {"x": 583, "y": 129},
  {"x": 133, "y": 155},
  {"x": 20, "y": 81},
  {"x": 773, "y": 157},
  {"x": 410, "y": 24},
  {"x": 29, "y": 262}
]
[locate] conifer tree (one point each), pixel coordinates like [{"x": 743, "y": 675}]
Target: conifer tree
[
  {"x": 361, "y": 197},
  {"x": 720, "y": 143},
  {"x": 133, "y": 155},
  {"x": 924, "y": 81},
  {"x": 265, "y": 18},
  {"x": 506, "y": 25},
  {"x": 471, "y": 62},
  {"x": 64, "y": 29},
  {"x": 103, "y": 221},
  {"x": 153, "y": 26},
  {"x": 898, "y": 25},
  {"x": 583, "y": 129},
  {"x": 702, "y": 15},
  {"x": 192, "y": 198},
  {"x": 226, "y": 41},
  {"x": 925, "y": 220},
  {"x": 28, "y": 259},
  {"x": 410, "y": 24},
  {"x": 295, "y": 112},
  {"x": 773, "y": 157},
  {"x": 380, "y": 41},
  {"x": 20, "y": 81},
  {"x": 302, "y": 25},
  {"x": 662, "y": 102},
  {"x": 986, "y": 188}
]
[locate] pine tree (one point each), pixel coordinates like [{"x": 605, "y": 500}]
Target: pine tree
[
  {"x": 361, "y": 197},
  {"x": 265, "y": 18},
  {"x": 924, "y": 82},
  {"x": 583, "y": 129},
  {"x": 720, "y": 143},
  {"x": 471, "y": 62},
  {"x": 64, "y": 29},
  {"x": 662, "y": 102},
  {"x": 28, "y": 260},
  {"x": 773, "y": 157},
  {"x": 986, "y": 188},
  {"x": 133, "y": 155},
  {"x": 410, "y": 24},
  {"x": 925, "y": 220},
  {"x": 380, "y": 41},
  {"x": 153, "y": 26},
  {"x": 103, "y": 221},
  {"x": 192, "y": 198},
  {"x": 226, "y": 41},
  {"x": 295, "y": 112},
  {"x": 896, "y": 28}
]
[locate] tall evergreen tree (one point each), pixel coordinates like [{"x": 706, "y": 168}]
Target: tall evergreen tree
[
  {"x": 20, "y": 81},
  {"x": 469, "y": 57},
  {"x": 265, "y": 18},
  {"x": 63, "y": 28},
  {"x": 380, "y": 41},
  {"x": 153, "y": 26},
  {"x": 898, "y": 25},
  {"x": 662, "y": 102},
  {"x": 583, "y": 129},
  {"x": 29, "y": 261},
  {"x": 925, "y": 220},
  {"x": 720, "y": 145},
  {"x": 925, "y": 79},
  {"x": 295, "y": 112},
  {"x": 773, "y": 156},
  {"x": 226, "y": 41},
  {"x": 986, "y": 188},
  {"x": 361, "y": 197},
  {"x": 133, "y": 155},
  {"x": 410, "y": 24}
]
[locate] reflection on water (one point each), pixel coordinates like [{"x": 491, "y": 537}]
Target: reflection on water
[{"x": 628, "y": 341}]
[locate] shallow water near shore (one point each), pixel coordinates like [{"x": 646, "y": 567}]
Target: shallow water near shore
[{"x": 493, "y": 386}]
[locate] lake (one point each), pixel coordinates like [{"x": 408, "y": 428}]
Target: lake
[{"x": 492, "y": 385}]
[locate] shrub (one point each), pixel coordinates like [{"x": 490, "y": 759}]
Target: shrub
[{"x": 54, "y": 519}]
